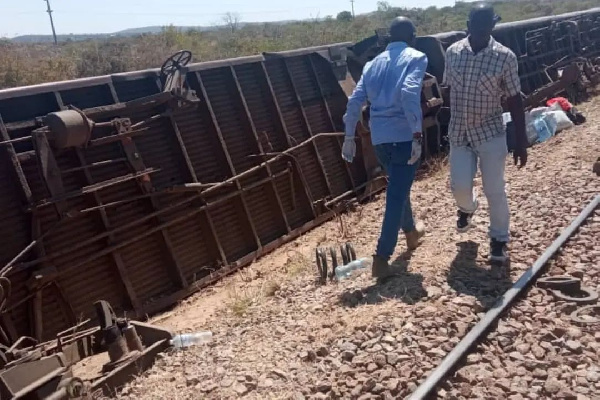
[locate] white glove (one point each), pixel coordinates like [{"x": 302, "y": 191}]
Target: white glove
[
  {"x": 349, "y": 149},
  {"x": 415, "y": 153}
]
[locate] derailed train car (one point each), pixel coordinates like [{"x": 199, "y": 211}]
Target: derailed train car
[
  {"x": 144, "y": 187},
  {"x": 556, "y": 54}
]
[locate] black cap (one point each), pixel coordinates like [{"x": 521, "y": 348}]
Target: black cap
[{"x": 482, "y": 12}]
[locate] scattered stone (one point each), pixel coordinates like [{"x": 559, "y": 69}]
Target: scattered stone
[
  {"x": 348, "y": 356},
  {"x": 593, "y": 376},
  {"x": 322, "y": 351},
  {"x": 393, "y": 384},
  {"x": 540, "y": 373},
  {"x": 538, "y": 352},
  {"x": 226, "y": 382},
  {"x": 323, "y": 387},
  {"x": 523, "y": 348},
  {"x": 348, "y": 346},
  {"x": 378, "y": 389},
  {"x": 298, "y": 396},
  {"x": 372, "y": 367},
  {"x": 208, "y": 387},
  {"x": 356, "y": 391},
  {"x": 574, "y": 346},
  {"x": 267, "y": 383},
  {"x": 552, "y": 386},
  {"x": 388, "y": 339},
  {"x": 347, "y": 370},
  {"x": 380, "y": 360},
  {"x": 279, "y": 373},
  {"x": 369, "y": 385},
  {"x": 241, "y": 389},
  {"x": 308, "y": 356}
]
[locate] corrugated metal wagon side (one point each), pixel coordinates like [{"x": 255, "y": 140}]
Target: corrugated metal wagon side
[{"x": 116, "y": 230}]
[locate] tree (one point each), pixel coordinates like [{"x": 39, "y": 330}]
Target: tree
[
  {"x": 344, "y": 16},
  {"x": 232, "y": 20},
  {"x": 384, "y": 6}
]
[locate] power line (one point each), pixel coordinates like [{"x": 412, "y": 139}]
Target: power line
[
  {"x": 352, "y": 2},
  {"x": 49, "y": 11}
]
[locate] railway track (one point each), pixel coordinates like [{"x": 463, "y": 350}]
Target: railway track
[{"x": 530, "y": 356}]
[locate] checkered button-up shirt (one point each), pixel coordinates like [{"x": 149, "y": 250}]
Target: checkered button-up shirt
[{"x": 477, "y": 83}]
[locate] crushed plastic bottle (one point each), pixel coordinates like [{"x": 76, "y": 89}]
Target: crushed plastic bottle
[
  {"x": 543, "y": 131},
  {"x": 191, "y": 339},
  {"x": 344, "y": 271}
]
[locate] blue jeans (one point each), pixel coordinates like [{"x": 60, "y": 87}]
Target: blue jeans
[
  {"x": 463, "y": 168},
  {"x": 394, "y": 158}
]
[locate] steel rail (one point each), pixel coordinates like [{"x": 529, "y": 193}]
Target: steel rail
[{"x": 479, "y": 330}]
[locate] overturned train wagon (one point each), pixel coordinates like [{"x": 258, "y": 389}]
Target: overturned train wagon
[
  {"x": 122, "y": 189},
  {"x": 143, "y": 187}
]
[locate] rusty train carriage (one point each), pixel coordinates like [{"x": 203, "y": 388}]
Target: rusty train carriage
[
  {"x": 143, "y": 250},
  {"x": 144, "y": 221}
]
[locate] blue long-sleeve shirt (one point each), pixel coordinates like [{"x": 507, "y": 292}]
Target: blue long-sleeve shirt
[{"x": 392, "y": 83}]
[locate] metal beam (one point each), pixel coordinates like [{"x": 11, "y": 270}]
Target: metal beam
[
  {"x": 260, "y": 148},
  {"x": 137, "y": 163},
  {"x": 287, "y": 137},
  {"x": 307, "y": 124},
  {"x": 324, "y": 98},
  {"x": 18, "y": 170},
  {"x": 228, "y": 157}
]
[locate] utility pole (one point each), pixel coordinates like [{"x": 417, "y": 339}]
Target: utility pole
[
  {"x": 352, "y": 2},
  {"x": 49, "y": 11}
]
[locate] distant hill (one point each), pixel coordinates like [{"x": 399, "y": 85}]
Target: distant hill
[
  {"x": 79, "y": 37},
  {"x": 131, "y": 32}
]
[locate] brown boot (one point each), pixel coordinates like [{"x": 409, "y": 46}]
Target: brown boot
[
  {"x": 381, "y": 268},
  {"x": 412, "y": 238}
]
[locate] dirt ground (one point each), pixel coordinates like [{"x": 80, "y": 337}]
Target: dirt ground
[{"x": 278, "y": 335}]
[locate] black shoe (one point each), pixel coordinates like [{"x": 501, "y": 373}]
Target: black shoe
[
  {"x": 464, "y": 220},
  {"x": 498, "y": 251}
]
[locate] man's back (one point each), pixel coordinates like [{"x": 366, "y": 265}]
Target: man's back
[{"x": 392, "y": 83}]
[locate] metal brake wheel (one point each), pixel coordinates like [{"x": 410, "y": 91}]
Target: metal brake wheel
[{"x": 176, "y": 61}]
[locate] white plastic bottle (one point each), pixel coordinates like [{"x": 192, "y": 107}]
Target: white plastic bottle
[
  {"x": 191, "y": 339},
  {"x": 344, "y": 271}
]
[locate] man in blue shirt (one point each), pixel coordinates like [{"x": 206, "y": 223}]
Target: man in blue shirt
[{"x": 392, "y": 83}]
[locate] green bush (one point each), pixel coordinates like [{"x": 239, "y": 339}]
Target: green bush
[{"x": 27, "y": 64}]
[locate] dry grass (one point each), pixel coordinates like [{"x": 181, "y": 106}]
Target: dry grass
[
  {"x": 298, "y": 264},
  {"x": 270, "y": 288},
  {"x": 435, "y": 167},
  {"x": 240, "y": 300}
]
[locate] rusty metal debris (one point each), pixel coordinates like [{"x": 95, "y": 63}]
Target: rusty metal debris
[
  {"x": 560, "y": 282},
  {"x": 322, "y": 266},
  {"x": 83, "y": 361},
  {"x": 347, "y": 252},
  {"x": 568, "y": 288},
  {"x": 584, "y": 295},
  {"x": 586, "y": 315}
]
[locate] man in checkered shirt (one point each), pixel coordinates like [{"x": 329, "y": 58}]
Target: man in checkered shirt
[{"x": 480, "y": 71}]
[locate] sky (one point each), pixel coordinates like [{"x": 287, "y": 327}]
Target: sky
[{"x": 107, "y": 16}]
